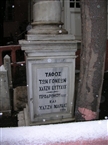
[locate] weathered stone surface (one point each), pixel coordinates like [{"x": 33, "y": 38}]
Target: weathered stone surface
[
  {"x": 50, "y": 61},
  {"x": 4, "y": 91},
  {"x": 45, "y": 11},
  {"x": 21, "y": 119},
  {"x": 47, "y": 18},
  {"x": 7, "y": 65},
  {"x": 20, "y": 98},
  {"x": 54, "y": 57}
]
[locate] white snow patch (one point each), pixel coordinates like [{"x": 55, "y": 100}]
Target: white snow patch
[{"x": 40, "y": 135}]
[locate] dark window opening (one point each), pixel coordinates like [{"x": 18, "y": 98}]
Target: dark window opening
[
  {"x": 78, "y": 5},
  {"x": 74, "y": 3}
]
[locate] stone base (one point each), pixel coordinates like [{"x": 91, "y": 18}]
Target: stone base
[{"x": 23, "y": 119}]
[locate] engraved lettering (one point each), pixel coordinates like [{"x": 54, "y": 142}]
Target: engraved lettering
[
  {"x": 43, "y": 81},
  {"x": 45, "y": 107},
  {"x": 51, "y": 74},
  {"x": 44, "y": 88},
  {"x": 58, "y": 87},
  {"x": 60, "y": 105}
]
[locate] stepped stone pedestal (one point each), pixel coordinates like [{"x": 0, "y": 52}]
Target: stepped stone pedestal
[{"x": 50, "y": 61}]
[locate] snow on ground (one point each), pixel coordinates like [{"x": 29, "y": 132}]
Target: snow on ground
[{"x": 43, "y": 134}]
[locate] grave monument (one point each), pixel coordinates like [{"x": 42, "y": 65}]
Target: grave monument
[
  {"x": 5, "y": 106},
  {"x": 50, "y": 63}
]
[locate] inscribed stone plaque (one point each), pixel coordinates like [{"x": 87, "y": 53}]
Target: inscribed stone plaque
[{"x": 52, "y": 84}]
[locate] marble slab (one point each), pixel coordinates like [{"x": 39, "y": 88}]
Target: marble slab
[{"x": 51, "y": 88}]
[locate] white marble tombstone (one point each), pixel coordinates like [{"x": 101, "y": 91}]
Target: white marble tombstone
[
  {"x": 50, "y": 61},
  {"x": 7, "y": 65},
  {"x": 5, "y": 107}
]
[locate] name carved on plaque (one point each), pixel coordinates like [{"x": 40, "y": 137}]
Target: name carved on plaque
[{"x": 52, "y": 89}]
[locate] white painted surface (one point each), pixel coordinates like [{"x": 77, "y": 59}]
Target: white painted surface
[
  {"x": 72, "y": 20},
  {"x": 41, "y": 135}
]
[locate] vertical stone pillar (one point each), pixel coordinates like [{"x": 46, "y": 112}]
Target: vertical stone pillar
[
  {"x": 50, "y": 60},
  {"x": 7, "y": 65},
  {"x": 45, "y": 10},
  {"x": 47, "y": 17},
  {"x": 5, "y": 107}
]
